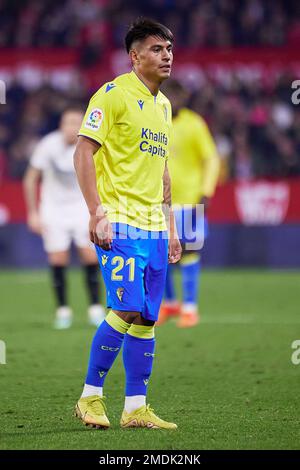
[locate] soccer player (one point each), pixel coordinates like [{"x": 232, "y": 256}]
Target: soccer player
[
  {"x": 194, "y": 170},
  {"x": 62, "y": 215},
  {"x": 126, "y": 133}
]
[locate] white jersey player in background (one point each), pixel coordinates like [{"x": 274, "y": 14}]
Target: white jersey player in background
[{"x": 61, "y": 216}]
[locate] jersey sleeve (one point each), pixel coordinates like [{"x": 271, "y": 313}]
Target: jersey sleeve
[
  {"x": 103, "y": 111},
  {"x": 41, "y": 155}
]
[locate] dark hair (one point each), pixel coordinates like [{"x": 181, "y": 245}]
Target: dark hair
[{"x": 142, "y": 28}]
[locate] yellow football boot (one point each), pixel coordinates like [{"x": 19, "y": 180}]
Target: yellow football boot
[
  {"x": 144, "y": 417},
  {"x": 92, "y": 412}
]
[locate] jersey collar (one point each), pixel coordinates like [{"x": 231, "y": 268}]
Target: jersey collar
[{"x": 140, "y": 86}]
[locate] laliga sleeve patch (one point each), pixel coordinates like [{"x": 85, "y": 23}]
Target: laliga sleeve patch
[{"x": 94, "y": 119}]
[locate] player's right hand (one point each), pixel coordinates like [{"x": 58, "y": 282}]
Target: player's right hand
[
  {"x": 101, "y": 231},
  {"x": 34, "y": 223}
]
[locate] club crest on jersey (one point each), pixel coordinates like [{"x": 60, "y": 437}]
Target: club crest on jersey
[
  {"x": 94, "y": 119},
  {"x": 120, "y": 292},
  {"x": 141, "y": 104}
]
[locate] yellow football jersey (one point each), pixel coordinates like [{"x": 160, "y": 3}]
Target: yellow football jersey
[
  {"x": 194, "y": 162},
  {"x": 133, "y": 128}
]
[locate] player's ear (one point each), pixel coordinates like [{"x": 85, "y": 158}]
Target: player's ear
[{"x": 133, "y": 54}]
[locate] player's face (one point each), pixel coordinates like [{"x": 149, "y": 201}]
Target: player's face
[
  {"x": 154, "y": 58},
  {"x": 70, "y": 125}
]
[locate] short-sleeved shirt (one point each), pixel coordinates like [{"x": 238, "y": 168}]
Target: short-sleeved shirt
[
  {"x": 191, "y": 146},
  {"x": 54, "y": 158},
  {"x": 133, "y": 128}
]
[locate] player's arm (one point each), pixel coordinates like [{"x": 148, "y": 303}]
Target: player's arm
[
  {"x": 99, "y": 226},
  {"x": 175, "y": 248},
  {"x": 30, "y": 185}
]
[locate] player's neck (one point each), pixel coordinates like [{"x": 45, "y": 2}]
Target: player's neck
[{"x": 153, "y": 87}]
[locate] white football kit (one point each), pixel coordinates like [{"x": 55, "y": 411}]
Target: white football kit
[{"x": 63, "y": 211}]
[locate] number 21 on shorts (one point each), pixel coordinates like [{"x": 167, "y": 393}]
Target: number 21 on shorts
[{"x": 120, "y": 262}]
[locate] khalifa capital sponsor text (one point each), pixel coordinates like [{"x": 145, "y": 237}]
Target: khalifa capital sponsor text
[{"x": 262, "y": 202}]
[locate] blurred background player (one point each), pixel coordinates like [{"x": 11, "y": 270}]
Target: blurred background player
[
  {"x": 61, "y": 216},
  {"x": 194, "y": 169}
]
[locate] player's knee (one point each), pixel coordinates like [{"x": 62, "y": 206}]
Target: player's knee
[
  {"x": 142, "y": 321},
  {"x": 59, "y": 258},
  {"x": 128, "y": 317},
  {"x": 134, "y": 317}
]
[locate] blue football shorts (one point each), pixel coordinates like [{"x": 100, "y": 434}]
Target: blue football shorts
[{"x": 134, "y": 270}]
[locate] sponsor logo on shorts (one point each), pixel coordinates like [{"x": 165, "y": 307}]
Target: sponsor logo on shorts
[
  {"x": 146, "y": 381},
  {"x": 104, "y": 259},
  {"x": 94, "y": 119}
]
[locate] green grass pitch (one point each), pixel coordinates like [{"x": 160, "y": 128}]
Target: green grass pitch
[{"x": 228, "y": 383}]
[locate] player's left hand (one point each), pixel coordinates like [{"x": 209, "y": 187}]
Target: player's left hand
[{"x": 175, "y": 249}]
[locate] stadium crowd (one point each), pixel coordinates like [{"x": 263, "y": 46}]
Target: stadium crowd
[
  {"x": 256, "y": 126},
  {"x": 195, "y": 23},
  {"x": 257, "y": 130}
]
